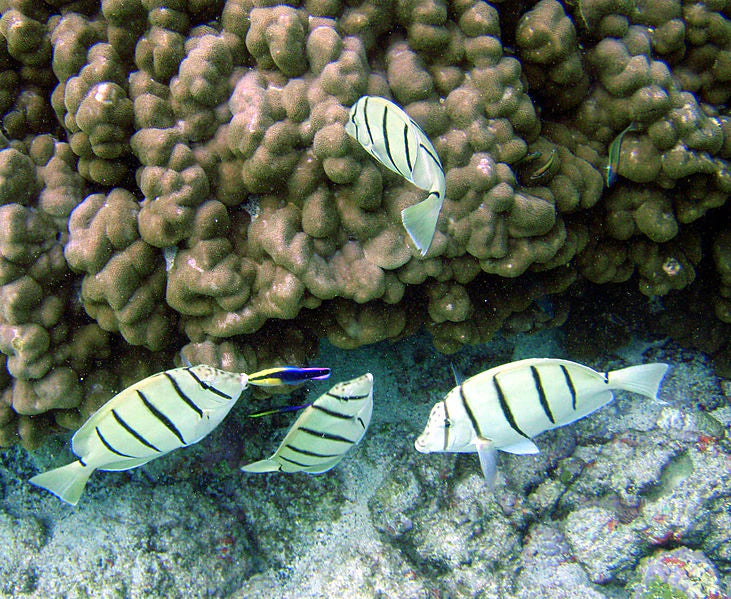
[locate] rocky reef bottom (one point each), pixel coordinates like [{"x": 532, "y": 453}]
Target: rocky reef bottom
[{"x": 633, "y": 501}]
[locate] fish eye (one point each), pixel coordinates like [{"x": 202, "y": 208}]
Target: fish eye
[{"x": 447, "y": 423}]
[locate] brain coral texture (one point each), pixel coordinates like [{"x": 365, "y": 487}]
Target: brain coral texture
[{"x": 177, "y": 174}]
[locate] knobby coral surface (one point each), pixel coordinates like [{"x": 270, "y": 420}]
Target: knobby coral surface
[{"x": 178, "y": 172}]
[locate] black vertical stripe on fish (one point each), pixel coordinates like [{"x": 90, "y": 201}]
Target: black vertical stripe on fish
[
  {"x": 82, "y": 462},
  {"x": 108, "y": 445},
  {"x": 541, "y": 393},
  {"x": 360, "y": 421},
  {"x": 466, "y": 406},
  {"x": 355, "y": 124},
  {"x": 406, "y": 147},
  {"x": 133, "y": 432},
  {"x": 188, "y": 401},
  {"x": 206, "y": 386},
  {"x": 434, "y": 158},
  {"x": 346, "y": 397},
  {"x": 327, "y": 436},
  {"x": 386, "y": 142},
  {"x": 161, "y": 417},
  {"x": 365, "y": 118},
  {"x": 333, "y": 413},
  {"x": 447, "y": 424},
  {"x": 570, "y": 385},
  {"x": 308, "y": 452},
  {"x": 300, "y": 464},
  {"x": 506, "y": 409}
]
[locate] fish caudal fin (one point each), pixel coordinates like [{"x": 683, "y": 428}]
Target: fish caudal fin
[
  {"x": 67, "y": 482},
  {"x": 644, "y": 379},
  {"x": 420, "y": 221},
  {"x": 268, "y": 465}
]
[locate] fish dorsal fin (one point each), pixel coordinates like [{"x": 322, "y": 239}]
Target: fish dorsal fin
[
  {"x": 526, "y": 446},
  {"x": 428, "y": 172},
  {"x": 458, "y": 376}
]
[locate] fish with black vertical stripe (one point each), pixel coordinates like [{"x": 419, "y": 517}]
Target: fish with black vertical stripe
[
  {"x": 324, "y": 431},
  {"x": 506, "y": 406},
  {"x": 156, "y": 415},
  {"x": 393, "y": 138}
]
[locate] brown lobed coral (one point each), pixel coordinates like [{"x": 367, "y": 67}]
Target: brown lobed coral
[{"x": 176, "y": 172}]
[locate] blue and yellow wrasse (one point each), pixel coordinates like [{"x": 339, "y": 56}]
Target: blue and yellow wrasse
[
  {"x": 287, "y": 375},
  {"x": 277, "y": 410}
]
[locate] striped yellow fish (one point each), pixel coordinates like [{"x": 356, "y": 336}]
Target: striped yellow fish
[
  {"x": 504, "y": 407},
  {"x": 156, "y": 415},
  {"x": 392, "y": 137},
  {"x": 615, "y": 152},
  {"x": 325, "y": 431}
]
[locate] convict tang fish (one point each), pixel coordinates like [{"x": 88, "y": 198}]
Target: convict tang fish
[
  {"x": 393, "y": 138},
  {"x": 506, "y": 406},
  {"x": 325, "y": 431},
  {"x": 156, "y": 415}
]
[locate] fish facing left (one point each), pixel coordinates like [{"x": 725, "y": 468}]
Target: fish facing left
[
  {"x": 506, "y": 406},
  {"x": 154, "y": 416},
  {"x": 393, "y": 138},
  {"x": 325, "y": 431}
]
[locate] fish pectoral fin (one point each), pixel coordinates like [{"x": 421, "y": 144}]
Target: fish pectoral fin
[
  {"x": 267, "y": 465},
  {"x": 488, "y": 460},
  {"x": 420, "y": 221},
  {"x": 522, "y": 447}
]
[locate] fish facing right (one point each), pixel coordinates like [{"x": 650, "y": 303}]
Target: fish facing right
[
  {"x": 506, "y": 406},
  {"x": 325, "y": 431},
  {"x": 155, "y": 416}
]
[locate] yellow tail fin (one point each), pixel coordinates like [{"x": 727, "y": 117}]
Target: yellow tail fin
[
  {"x": 67, "y": 482},
  {"x": 644, "y": 379},
  {"x": 420, "y": 221}
]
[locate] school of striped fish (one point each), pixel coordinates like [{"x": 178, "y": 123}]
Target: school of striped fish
[{"x": 502, "y": 408}]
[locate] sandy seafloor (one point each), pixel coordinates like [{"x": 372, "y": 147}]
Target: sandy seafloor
[{"x": 633, "y": 501}]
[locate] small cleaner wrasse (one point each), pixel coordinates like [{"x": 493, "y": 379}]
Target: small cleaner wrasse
[
  {"x": 505, "y": 407},
  {"x": 324, "y": 431},
  {"x": 156, "y": 415}
]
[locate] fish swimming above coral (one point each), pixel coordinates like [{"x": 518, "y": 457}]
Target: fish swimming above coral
[
  {"x": 506, "y": 406},
  {"x": 392, "y": 137},
  {"x": 156, "y": 415},
  {"x": 325, "y": 431},
  {"x": 611, "y": 171}
]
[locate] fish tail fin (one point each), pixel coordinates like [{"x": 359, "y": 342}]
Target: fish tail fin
[
  {"x": 267, "y": 465},
  {"x": 67, "y": 482},
  {"x": 644, "y": 379},
  {"x": 420, "y": 221}
]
